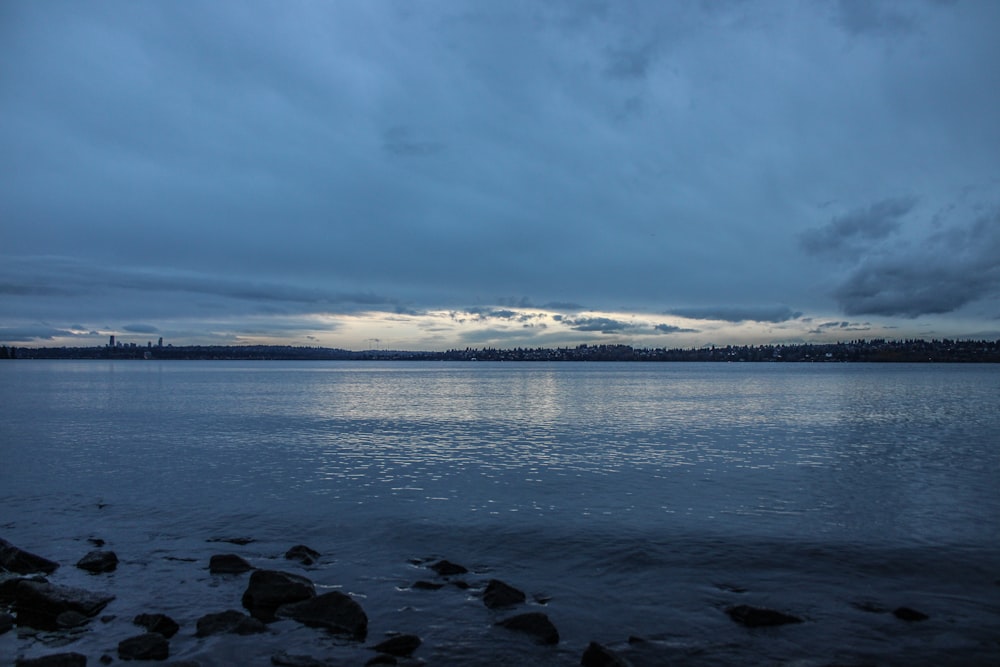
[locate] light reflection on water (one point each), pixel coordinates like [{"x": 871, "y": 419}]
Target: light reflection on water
[{"x": 773, "y": 447}]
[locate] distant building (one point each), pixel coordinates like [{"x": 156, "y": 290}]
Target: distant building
[
  {"x": 111, "y": 343},
  {"x": 160, "y": 344}
]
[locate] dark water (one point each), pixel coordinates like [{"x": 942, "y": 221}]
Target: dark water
[{"x": 635, "y": 499}]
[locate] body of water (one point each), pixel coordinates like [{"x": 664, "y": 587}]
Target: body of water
[{"x": 627, "y": 500}]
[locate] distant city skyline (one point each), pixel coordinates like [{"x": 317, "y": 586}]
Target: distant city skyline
[{"x": 463, "y": 174}]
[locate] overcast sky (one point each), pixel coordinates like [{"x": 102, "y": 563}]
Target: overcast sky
[{"x": 429, "y": 175}]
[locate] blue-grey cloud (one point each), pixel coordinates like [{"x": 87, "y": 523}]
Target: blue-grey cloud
[
  {"x": 878, "y": 17},
  {"x": 852, "y": 232},
  {"x": 737, "y": 313},
  {"x": 140, "y": 328},
  {"x": 671, "y": 329},
  {"x": 604, "y": 325},
  {"x": 952, "y": 268}
]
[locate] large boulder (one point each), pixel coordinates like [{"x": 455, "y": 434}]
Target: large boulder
[
  {"x": 758, "y": 617},
  {"x": 597, "y": 655},
  {"x": 96, "y": 562},
  {"x": 228, "y": 564},
  {"x": 54, "y": 660},
  {"x": 498, "y": 594},
  {"x": 401, "y": 645},
  {"x": 38, "y": 605},
  {"x": 535, "y": 624},
  {"x": 269, "y": 589},
  {"x": 230, "y": 621},
  {"x": 160, "y": 623},
  {"x": 333, "y": 611},
  {"x": 149, "y": 646},
  {"x": 446, "y": 568},
  {"x": 18, "y": 560}
]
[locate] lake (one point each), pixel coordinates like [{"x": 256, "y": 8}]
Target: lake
[{"x": 632, "y": 500}]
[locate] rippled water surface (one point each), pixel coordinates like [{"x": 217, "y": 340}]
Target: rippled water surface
[{"x": 635, "y": 499}]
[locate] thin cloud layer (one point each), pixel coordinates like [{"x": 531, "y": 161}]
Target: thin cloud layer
[{"x": 551, "y": 173}]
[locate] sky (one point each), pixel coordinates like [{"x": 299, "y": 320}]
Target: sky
[{"x": 450, "y": 174}]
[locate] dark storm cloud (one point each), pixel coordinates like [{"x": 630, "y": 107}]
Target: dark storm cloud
[
  {"x": 955, "y": 267},
  {"x": 738, "y": 313},
  {"x": 670, "y": 329},
  {"x": 841, "y": 326},
  {"x": 852, "y": 232},
  {"x": 605, "y": 325}
]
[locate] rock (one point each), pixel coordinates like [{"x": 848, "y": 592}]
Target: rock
[
  {"x": 382, "y": 659},
  {"x": 756, "y": 617},
  {"x": 401, "y": 645},
  {"x": 498, "y": 594},
  {"x": 148, "y": 646},
  {"x": 228, "y": 564},
  {"x": 230, "y": 621},
  {"x": 105, "y": 659},
  {"x": 6, "y": 622},
  {"x": 38, "y": 605},
  {"x": 447, "y": 568},
  {"x": 183, "y": 663},
  {"x": 269, "y": 589},
  {"x": 601, "y": 656},
  {"x": 283, "y": 659},
  {"x": 20, "y": 561},
  {"x": 426, "y": 586},
  {"x": 907, "y": 614},
  {"x": 534, "y": 623},
  {"x": 96, "y": 541},
  {"x": 70, "y": 619},
  {"x": 333, "y": 611},
  {"x": 303, "y": 554},
  {"x": 160, "y": 623},
  {"x": 54, "y": 660},
  {"x": 240, "y": 541},
  {"x": 96, "y": 562}
]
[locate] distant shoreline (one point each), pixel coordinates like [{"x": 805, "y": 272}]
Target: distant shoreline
[{"x": 877, "y": 350}]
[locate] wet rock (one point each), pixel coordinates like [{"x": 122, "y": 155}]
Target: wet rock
[
  {"x": 426, "y": 586},
  {"x": 96, "y": 541},
  {"x": 160, "y": 623},
  {"x": 228, "y": 564},
  {"x": 148, "y": 646},
  {"x": 283, "y": 659},
  {"x": 240, "y": 541},
  {"x": 183, "y": 663},
  {"x": 333, "y": 611},
  {"x": 401, "y": 645},
  {"x": 38, "y": 605},
  {"x": 498, "y": 594},
  {"x": 600, "y": 656},
  {"x": 907, "y": 614},
  {"x": 269, "y": 589},
  {"x": 447, "y": 568},
  {"x": 6, "y": 622},
  {"x": 105, "y": 659},
  {"x": 54, "y": 660},
  {"x": 303, "y": 554},
  {"x": 382, "y": 659},
  {"x": 70, "y": 619},
  {"x": 14, "y": 559},
  {"x": 97, "y": 562},
  {"x": 869, "y": 606},
  {"x": 757, "y": 617},
  {"x": 230, "y": 621},
  {"x": 536, "y": 624}
]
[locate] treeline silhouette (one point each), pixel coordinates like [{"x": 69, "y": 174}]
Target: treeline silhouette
[{"x": 875, "y": 350}]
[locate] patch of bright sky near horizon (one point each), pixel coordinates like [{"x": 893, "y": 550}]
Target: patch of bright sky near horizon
[{"x": 436, "y": 175}]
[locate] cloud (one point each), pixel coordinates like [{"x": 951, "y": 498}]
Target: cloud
[
  {"x": 604, "y": 325},
  {"x": 951, "y": 269},
  {"x": 864, "y": 17},
  {"x": 850, "y": 233},
  {"x": 33, "y": 333},
  {"x": 400, "y": 140},
  {"x": 140, "y": 328},
  {"x": 738, "y": 313},
  {"x": 669, "y": 329},
  {"x": 840, "y": 326}
]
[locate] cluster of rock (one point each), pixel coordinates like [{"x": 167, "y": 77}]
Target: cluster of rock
[{"x": 271, "y": 595}]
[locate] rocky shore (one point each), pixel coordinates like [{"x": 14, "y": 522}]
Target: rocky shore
[{"x": 57, "y": 615}]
